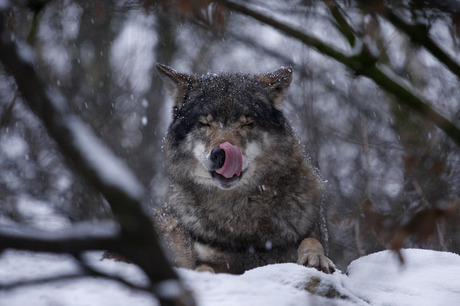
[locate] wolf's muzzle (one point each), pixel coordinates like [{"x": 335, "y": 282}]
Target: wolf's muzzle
[{"x": 226, "y": 160}]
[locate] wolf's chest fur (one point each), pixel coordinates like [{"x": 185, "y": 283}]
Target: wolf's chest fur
[{"x": 238, "y": 222}]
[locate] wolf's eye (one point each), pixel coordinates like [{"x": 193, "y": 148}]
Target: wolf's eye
[
  {"x": 203, "y": 124},
  {"x": 249, "y": 124}
]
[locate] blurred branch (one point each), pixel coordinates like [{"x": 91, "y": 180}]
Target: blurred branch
[
  {"x": 423, "y": 224},
  {"x": 362, "y": 62},
  {"x": 88, "y": 271},
  {"x": 67, "y": 245},
  {"x": 419, "y": 34},
  {"x": 6, "y": 115},
  {"x": 359, "y": 242},
  {"x": 34, "y": 282},
  {"x": 93, "y": 272},
  {"x": 341, "y": 22},
  {"x": 352, "y": 139},
  {"x": 290, "y": 31},
  {"x": 367, "y": 159},
  {"x": 75, "y": 240},
  {"x": 32, "y": 37},
  {"x": 105, "y": 171}
]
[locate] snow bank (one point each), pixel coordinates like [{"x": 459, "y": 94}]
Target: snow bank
[
  {"x": 426, "y": 278},
  {"x": 18, "y": 266}
]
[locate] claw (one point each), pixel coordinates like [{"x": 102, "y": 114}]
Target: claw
[{"x": 311, "y": 255}]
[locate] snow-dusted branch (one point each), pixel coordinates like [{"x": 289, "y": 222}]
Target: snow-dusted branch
[
  {"x": 100, "y": 167},
  {"x": 362, "y": 62}
]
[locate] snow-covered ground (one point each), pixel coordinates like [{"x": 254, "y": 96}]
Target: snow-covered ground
[{"x": 426, "y": 278}]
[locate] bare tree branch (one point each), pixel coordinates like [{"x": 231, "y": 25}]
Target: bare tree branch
[
  {"x": 362, "y": 62},
  {"x": 75, "y": 240},
  {"x": 93, "y": 272},
  {"x": 419, "y": 34},
  {"x": 40, "y": 281},
  {"x": 341, "y": 22},
  {"x": 88, "y": 272},
  {"x": 290, "y": 31},
  {"x": 7, "y": 112}
]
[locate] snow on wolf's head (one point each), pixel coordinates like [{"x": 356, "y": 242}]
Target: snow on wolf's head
[{"x": 227, "y": 130}]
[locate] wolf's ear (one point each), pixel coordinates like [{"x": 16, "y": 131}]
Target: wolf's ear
[
  {"x": 277, "y": 82},
  {"x": 176, "y": 82}
]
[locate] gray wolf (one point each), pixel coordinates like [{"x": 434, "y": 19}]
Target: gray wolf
[{"x": 243, "y": 193}]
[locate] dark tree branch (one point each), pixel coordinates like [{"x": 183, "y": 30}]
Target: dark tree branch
[
  {"x": 8, "y": 111},
  {"x": 87, "y": 272},
  {"x": 288, "y": 30},
  {"x": 40, "y": 281},
  {"x": 73, "y": 241},
  {"x": 99, "y": 166},
  {"x": 419, "y": 34},
  {"x": 341, "y": 22},
  {"x": 93, "y": 272},
  {"x": 362, "y": 62}
]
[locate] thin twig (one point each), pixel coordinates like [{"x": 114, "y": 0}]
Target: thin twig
[
  {"x": 71, "y": 241},
  {"x": 419, "y": 34},
  {"x": 341, "y": 22},
  {"x": 359, "y": 243},
  {"x": 366, "y": 156},
  {"x": 88, "y": 273},
  {"x": 40, "y": 281},
  {"x": 93, "y": 272},
  {"x": 8, "y": 112},
  {"x": 440, "y": 229},
  {"x": 368, "y": 186}
]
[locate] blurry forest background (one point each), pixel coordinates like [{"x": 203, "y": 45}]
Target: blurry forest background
[{"x": 391, "y": 172}]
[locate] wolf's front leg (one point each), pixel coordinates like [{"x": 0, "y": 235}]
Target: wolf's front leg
[{"x": 311, "y": 254}]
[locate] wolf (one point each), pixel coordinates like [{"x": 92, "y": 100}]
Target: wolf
[{"x": 243, "y": 193}]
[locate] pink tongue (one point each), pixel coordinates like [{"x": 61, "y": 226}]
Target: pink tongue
[{"x": 233, "y": 160}]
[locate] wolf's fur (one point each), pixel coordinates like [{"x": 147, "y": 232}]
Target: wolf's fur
[{"x": 263, "y": 216}]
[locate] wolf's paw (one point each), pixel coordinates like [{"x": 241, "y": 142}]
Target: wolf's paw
[
  {"x": 311, "y": 254},
  {"x": 204, "y": 268}
]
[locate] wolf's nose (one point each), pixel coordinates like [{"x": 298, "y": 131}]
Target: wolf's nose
[{"x": 217, "y": 157}]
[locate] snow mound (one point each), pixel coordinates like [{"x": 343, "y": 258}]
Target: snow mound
[{"x": 425, "y": 278}]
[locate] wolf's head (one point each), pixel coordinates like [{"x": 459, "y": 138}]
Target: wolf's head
[{"x": 227, "y": 129}]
